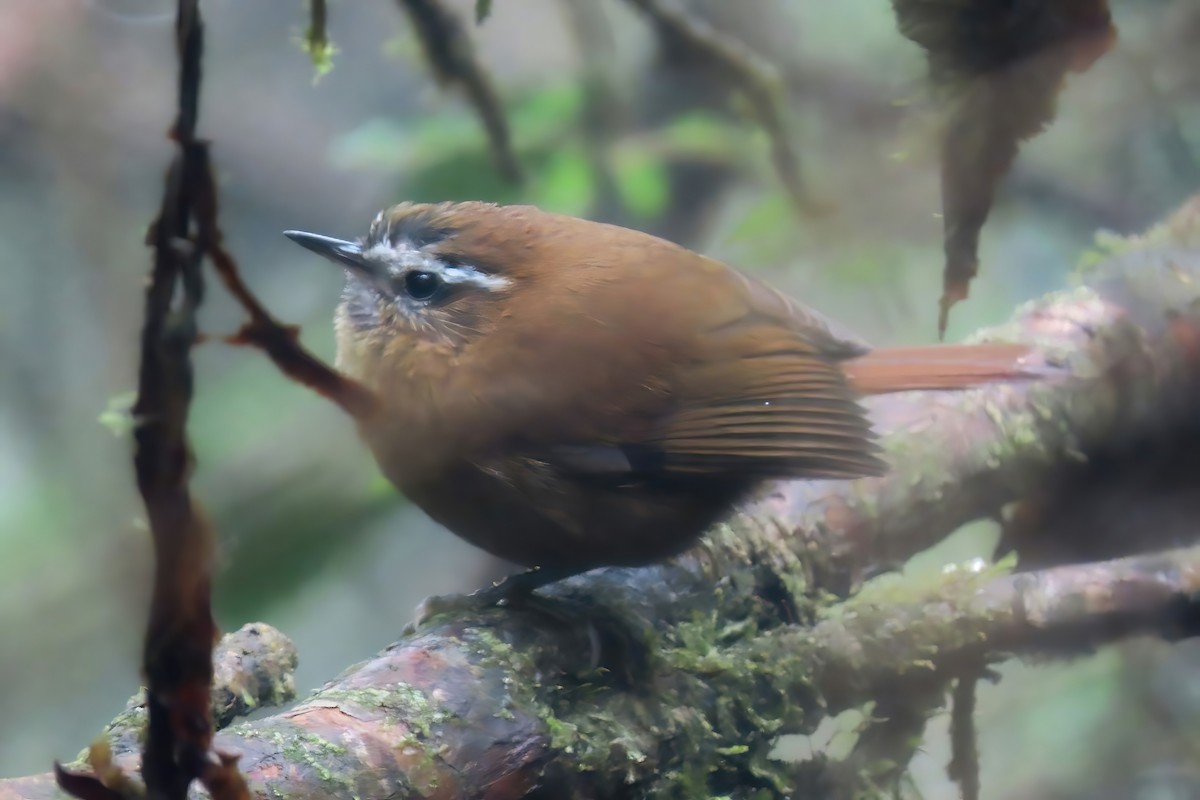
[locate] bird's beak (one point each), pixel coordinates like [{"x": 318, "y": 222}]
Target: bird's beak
[{"x": 339, "y": 251}]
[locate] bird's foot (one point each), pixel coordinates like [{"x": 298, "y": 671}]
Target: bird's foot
[
  {"x": 514, "y": 590},
  {"x": 609, "y": 645}
]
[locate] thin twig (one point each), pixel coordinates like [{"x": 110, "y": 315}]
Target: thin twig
[
  {"x": 743, "y": 70},
  {"x": 318, "y": 19},
  {"x": 964, "y": 744},
  {"x": 280, "y": 342},
  {"x": 602, "y": 106},
  {"x": 316, "y": 38},
  {"x": 891, "y": 737},
  {"x": 450, "y": 53}
]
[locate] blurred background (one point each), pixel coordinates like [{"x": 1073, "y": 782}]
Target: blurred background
[{"x": 610, "y": 122}]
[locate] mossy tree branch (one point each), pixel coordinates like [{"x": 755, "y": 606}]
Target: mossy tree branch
[{"x": 501, "y": 703}]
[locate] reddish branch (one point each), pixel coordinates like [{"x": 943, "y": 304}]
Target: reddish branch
[{"x": 280, "y": 342}]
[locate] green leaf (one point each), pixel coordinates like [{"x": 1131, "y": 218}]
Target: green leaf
[
  {"x": 382, "y": 144},
  {"x": 547, "y": 112},
  {"x": 482, "y": 9},
  {"x": 642, "y": 182},
  {"x": 537, "y": 119},
  {"x": 701, "y": 133},
  {"x": 117, "y": 415},
  {"x": 320, "y": 52},
  {"x": 767, "y": 229},
  {"x": 566, "y": 183}
]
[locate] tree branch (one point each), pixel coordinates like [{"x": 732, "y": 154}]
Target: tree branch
[
  {"x": 451, "y": 56},
  {"x": 741, "y": 69}
]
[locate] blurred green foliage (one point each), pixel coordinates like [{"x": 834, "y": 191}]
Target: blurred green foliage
[{"x": 440, "y": 156}]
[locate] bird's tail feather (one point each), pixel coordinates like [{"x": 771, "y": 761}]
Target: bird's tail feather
[{"x": 939, "y": 367}]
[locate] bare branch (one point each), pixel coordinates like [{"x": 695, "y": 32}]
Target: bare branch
[
  {"x": 745, "y": 71},
  {"x": 450, "y": 53}
]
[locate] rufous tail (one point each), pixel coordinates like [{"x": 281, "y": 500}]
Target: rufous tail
[{"x": 938, "y": 367}]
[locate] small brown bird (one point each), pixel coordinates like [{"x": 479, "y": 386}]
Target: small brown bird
[{"x": 567, "y": 394}]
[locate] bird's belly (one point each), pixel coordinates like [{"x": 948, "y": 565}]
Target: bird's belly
[{"x": 562, "y": 523}]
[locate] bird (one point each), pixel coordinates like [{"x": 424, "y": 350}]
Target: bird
[{"x": 567, "y": 394}]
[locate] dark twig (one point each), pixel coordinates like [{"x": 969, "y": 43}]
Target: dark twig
[
  {"x": 177, "y": 659},
  {"x": 888, "y": 741},
  {"x": 451, "y": 55},
  {"x": 483, "y": 8},
  {"x": 602, "y": 106},
  {"x": 316, "y": 38},
  {"x": 743, "y": 70},
  {"x": 177, "y": 655},
  {"x": 964, "y": 745},
  {"x": 318, "y": 21}
]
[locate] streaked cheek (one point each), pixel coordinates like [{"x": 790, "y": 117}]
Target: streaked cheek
[{"x": 360, "y": 305}]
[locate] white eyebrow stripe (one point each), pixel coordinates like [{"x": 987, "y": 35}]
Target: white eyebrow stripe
[
  {"x": 461, "y": 273},
  {"x": 404, "y": 258}
]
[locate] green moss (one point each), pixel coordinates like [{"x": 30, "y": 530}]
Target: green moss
[
  {"x": 420, "y": 713},
  {"x": 329, "y": 760},
  {"x": 699, "y": 702},
  {"x": 1180, "y": 230},
  {"x": 1105, "y": 246},
  {"x": 935, "y": 627},
  {"x": 1017, "y": 329},
  {"x": 492, "y": 651},
  {"x": 563, "y": 735},
  {"x": 303, "y": 747}
]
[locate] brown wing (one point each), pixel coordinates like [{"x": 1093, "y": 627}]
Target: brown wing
[
  {"x": 755, "y": 389},
  {"x": 768, "y": 398}
]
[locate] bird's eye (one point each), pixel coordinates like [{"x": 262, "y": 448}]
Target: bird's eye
[{"x": 421, "y": 285}]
